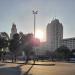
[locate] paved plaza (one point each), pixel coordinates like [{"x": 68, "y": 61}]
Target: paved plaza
[{"x": 39, "y": 68}]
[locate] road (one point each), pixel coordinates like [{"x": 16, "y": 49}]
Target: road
[{"x": 39, "y": 68}]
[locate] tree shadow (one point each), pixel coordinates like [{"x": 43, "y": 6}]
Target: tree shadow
[
  {"x": 2, "y": 64},
  {"x": 42, "y": 64},
  {"x": 10, "y": 71},
  {"x": 26, "y": 73},
  {"x": 32, "y": 64},
  {"x": 21, "y": 64}
]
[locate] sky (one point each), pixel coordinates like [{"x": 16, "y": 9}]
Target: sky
[{"x": 20, "y": 13}]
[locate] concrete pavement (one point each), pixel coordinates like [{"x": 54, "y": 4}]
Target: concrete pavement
[
  {"x": 59, "y": 68},
  {"x": 39, "y": 68}
]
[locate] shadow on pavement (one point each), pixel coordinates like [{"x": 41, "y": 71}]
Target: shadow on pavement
[
  {"x": 32, "y": 64},
  {"x": 2, "y": 64},
  {"x": 26, "y": 73},
  {"x": 10, "y": 71},
  {"x": 36, "y": 64},
  {"x": 21, "y": 64},
  {"x": 17, "y": 70},
  {"x": 14, "y": 70},
  {"x": 42, "y": 64}
]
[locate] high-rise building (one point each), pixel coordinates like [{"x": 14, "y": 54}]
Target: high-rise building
[
  {"x": 13, "y": 31},
  {"x": 54, "y": 35}
]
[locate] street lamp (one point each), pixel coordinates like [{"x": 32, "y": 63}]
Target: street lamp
[{"x": 34, "y": 12}]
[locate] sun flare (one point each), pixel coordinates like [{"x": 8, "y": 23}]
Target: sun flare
[{"x": 39, "y": 34}]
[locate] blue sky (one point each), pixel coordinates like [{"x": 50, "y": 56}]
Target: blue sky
[{"x": 20, "y": 13}]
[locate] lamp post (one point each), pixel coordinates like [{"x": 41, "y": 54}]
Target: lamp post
[{"x": 34, "y": 13}]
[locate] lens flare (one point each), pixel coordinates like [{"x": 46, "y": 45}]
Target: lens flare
[{"x": 39, "y": 34}]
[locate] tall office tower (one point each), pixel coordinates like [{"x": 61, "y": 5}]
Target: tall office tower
[
  {"x": 54, "y": 34},
  {"x": 13, "y": 31}
]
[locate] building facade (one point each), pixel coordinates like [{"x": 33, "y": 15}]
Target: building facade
[
  {"x": 69, "y": 42},
  {"x": 54, "y": 35}
]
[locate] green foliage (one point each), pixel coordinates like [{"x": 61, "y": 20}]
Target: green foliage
[
  {"x": 4, "y": 40},
  {"x": 14, "y": 43},
  {"x": 26, "y": 41},
  {"x": 63, "y": 53},
  {"x": 5, "y": 35},
  {"x": 73, "y": 53}
]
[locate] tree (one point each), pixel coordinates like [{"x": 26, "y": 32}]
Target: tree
[
  {"x": 1, "y": 46},
  {"x": 5, "y": 35},
  {"x": 50, "y": 54},
  {"x": 27, "y": 44},
  {"x": 73, "y": 53},
  {"x": 14, "y": 45},
  {"x": 63, "y": 52},
  {"x": 4, "y": 38}
]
